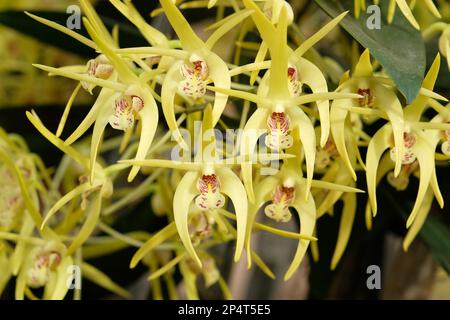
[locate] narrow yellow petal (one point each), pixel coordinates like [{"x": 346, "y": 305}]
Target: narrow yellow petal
[
  {"x": 161, "y": 163},
  {"x": 225, "y": 290},
  {"x": 387, "y": 101},
  {"x": 377, "y": 146},
  {"x": 364, "y": 67},
  {"x": 64, "y": 30},
  {"x": 249, "y": 140},
  {"x": 260, "y": 56},
  {"x": 88, "y": 227},
  {"x": 66, "y": 198},
  {"x": 338, "y": 120},
  {"x": 307, "y": 214},
  {"x": 96, "y": 22},
  {"x": 232, "y": 186},
  {"x": 278, "y": 80},
  {"x": 345, "y": 227},
  {"x": 65, "y": 115},
  {"x": 334, "y": 186},
  {"x": 73, "y": 153},
  {"x": 82, "y": 77},
  {"x": 319, "y": 35},
  {"x": 125, "y": 73},
  {"x": 152, "y": 35},
  {"x": 404, "y": 8},
  {"x": 184, "y": 194},
  {"x": 422, "y": 215},
  {"x": 308, "y": 139},
  {"x": 432, "y": 7},
  {"x": 96, "y": 276},
  {"x": 164, "y": 234},
  {"x": 166, "y": 268},
  {"x": 188, "y": 38},
  {"x": 149, "y": 123},
  {"x": 97, "y": 135},
  {"x": 236, "y": 18},
  {"x": 312, "y": 76},
  {"x": 262, "y": 265},
  {"x": 61, "y": 288},
  {"x": 145, "y": 51},
  {"x": 239, "y": 94},
  {"x": 219, "y": 74},
  {"x": 103, "y": 98},
  {"x": 425, "y": 157},
  {"x": 168, "y": 92},
  {"x": 312, "y": 97},
  {"x": 436, "y": 190}
]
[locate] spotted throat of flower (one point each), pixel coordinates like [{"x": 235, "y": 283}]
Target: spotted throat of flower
[
  {"x": 282, "y": 198},
  {"x": 401, "y": 182},
  {"x": 125, "y": 108},
  {"x": 210, "y": 197},
  {"x": 295, "y": 85},
  {"x": 409, "y": 142},
  {"x": 44, "y": 262},
  {"x": 201, "y": 226},
  {"x": 195, "y": 74},
  {"x": 325, "y": 155},
  {"x": 368, "y": 98},
  {"x": 279, "y": 126},
  {"x": 99, "y": 67}
]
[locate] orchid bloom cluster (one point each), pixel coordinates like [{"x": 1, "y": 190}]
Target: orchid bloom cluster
[{"x": 299, "y": 149}]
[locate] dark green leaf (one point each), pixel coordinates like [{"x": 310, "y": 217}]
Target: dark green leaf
[
  {"x": 437, "y": 237},
  {"x": 19, "y": 21},
  {"x": 398, "y": 46}
]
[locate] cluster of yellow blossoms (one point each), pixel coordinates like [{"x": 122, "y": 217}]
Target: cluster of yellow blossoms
[{"x": 298, "y": 149}]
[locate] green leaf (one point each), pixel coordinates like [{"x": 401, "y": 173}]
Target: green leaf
[
  {"x": 397, "y": 46},
  {"x": 437, "y": 237},
  {"x": 20, "y": 22}
]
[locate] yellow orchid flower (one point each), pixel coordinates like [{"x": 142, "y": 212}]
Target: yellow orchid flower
[
  {"x": 123, "y": 97},
  {"x": 378, "y": 99},
  {"x": 205, "y": 181},
  {"x": 420, "y": 142},
  {"x": 278, "y": 101},
  {"x": 287, "y": 189}
]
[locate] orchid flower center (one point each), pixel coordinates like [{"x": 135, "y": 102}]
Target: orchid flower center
[
  {"x": 99, "y": 67},
  {"x": 368, "y": 99},
  {"x": 210, "y": 196},
  {"x": 324, "y": 155},
  {"x": 43, "y": 263},
  {"x": 282, "y": 198},
  {"x": 201, "y": 227},
  {"x": 195, "y": 74},
  {"x": 409, "y": 142},
  {"x": 401, "y": 182},
  {"x": 445, "y": 147},
  {"x": 279, "y": 126},
  {"x": 125, "y": 108},
  {"x": 295, "y": 86}
]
